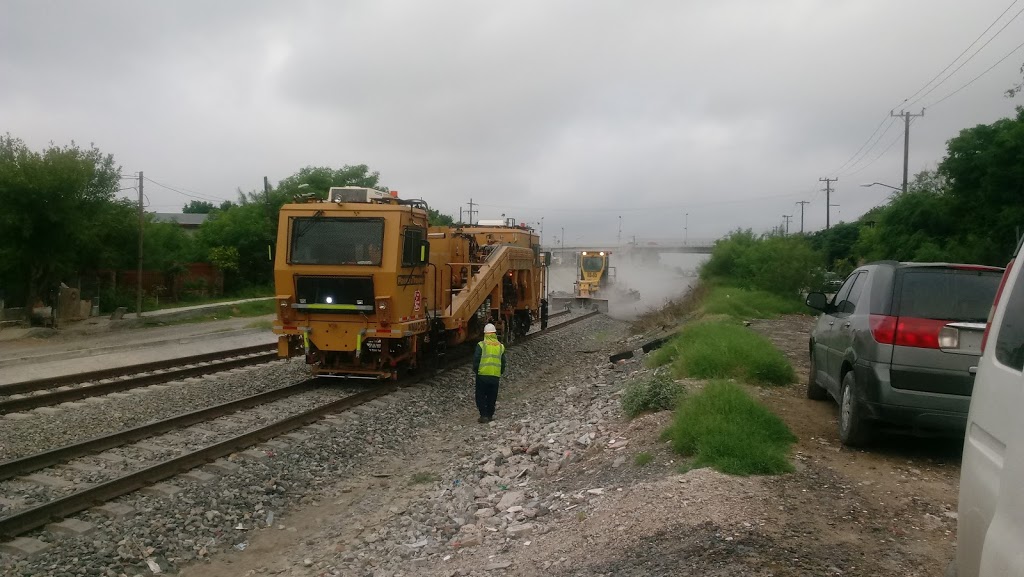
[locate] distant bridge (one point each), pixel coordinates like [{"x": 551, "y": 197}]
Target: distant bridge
[{"x": 643, "y": 248}]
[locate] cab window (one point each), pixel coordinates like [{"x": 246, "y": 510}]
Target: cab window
[{"x": 411, "y": 246}]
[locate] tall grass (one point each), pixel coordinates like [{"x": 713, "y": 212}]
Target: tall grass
[
  {"x": 750, "y": 304},
  {"x": 723, "y": 427},
  {"x": 720, "y": 349},
  {"x": 655, "y": 393}
]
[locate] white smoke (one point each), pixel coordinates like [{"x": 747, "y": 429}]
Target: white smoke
[{"x": 655, "y": 282}]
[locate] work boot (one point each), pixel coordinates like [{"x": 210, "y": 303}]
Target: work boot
[{"x": 482, "y": 420}]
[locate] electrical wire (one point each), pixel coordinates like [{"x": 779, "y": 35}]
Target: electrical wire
[
  {"x": 877, "y": 128},
  {"x": 641, "y": 207},
  {"x": 906, "y": 101},
  {"x": 849, "y": 169},
  {"x": 195, "y": 195},
  {"x": 969, "y": 58},
  {"x": 881, "y": 154},
  {"x": 989, "y": 69}
]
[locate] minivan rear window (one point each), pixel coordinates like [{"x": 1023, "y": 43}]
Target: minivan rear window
[{"x": 948, "y": 294}]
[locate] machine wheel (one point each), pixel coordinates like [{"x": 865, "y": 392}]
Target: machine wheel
[
  {"x": 854, "y": 431},
  {"x": 815, "y": 392}
]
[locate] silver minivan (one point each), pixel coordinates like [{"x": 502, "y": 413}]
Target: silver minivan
[{"x": 990, "y": 537}]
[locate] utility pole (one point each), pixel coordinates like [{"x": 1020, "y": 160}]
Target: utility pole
[
  {"x": 138, "y": 279},
  {"x": 828, "y": 197},
  {"x": 619, "y": 241},
  {"x": 686, "y": 229},
  {"x": 906, "y": 141},
  {"x": 802, "y": 203},
  {"x": 471, "y": 211},
  {"x": 787, "y": 217}
]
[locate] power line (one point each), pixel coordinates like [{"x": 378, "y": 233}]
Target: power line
[
  {"x": 989, "y": 69},
  {"x": 843, "y": 165},
  {"x": 881, "y": 154},
  {"x": 971, "y": 57},
  {"x": 959, "y": 56},
  {"x": 892, "y": 121},
  {"x": 645, "y": 208},
  {"x": 195, "y": 195}
]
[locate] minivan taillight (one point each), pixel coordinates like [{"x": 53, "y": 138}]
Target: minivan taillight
[
  {"x": 906, "y": 331},
  {"x": 883, "y": 328},
  {"x": 995, "y": 303}
]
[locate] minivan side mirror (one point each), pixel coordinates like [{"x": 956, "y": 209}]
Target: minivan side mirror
[{"x": 817, "y": 301}]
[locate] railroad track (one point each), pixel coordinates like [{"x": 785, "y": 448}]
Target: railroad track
[
  {"x": 35, "y": 517},
  {"x": 27, "y": 395}
]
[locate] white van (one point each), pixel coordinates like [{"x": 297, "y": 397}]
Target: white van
[{"x": 990, "y": 536}]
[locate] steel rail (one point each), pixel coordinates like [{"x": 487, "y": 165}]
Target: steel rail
[
  {"x": 23, "y": 465},
  {"x": 63, "y": 380},
  {"x": 56, "y": 397},
  {"x": 40, "y": 515}
]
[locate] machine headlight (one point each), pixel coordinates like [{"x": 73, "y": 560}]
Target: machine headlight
[{"x": 328, "y": 300}]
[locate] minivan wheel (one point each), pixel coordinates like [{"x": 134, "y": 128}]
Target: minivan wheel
[
  {"x": 853, "y": 429},
  {"x": 815, "y": 392}
]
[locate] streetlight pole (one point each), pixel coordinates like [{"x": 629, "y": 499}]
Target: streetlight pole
[
  {"x": 686, "y": 228},
  {"x": 870, "y": 184},
  {"x": 619, "y": 241}
]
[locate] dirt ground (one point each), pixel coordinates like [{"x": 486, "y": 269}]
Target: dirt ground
[{"x": 884, "y": 511}]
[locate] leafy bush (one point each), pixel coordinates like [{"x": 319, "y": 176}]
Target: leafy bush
[
  {"x": 723, "y": 427},
  {"x": 657, "y": 393},
  {"x": 643, "y": 458},
  {"x": 778, "y": 264},
  {"x": 721, "y": 349}
]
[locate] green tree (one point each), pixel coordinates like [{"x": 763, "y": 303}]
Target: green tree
[
  {"x": 199, "y": 207},
  {"x": 250, "y": 226},
  {"x": 984, "y": 168},
  {"x": 436, "y": 218},
  {"x": 59, "y": 215}
]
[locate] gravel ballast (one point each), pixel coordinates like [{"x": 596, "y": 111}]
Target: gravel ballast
[{"x": 205, "y": 519}]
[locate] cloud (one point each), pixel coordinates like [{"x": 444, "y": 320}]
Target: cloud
[{"x": 578, "y": 111}]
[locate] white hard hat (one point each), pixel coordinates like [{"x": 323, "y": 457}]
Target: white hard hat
[{"x": 489, "y": 329}]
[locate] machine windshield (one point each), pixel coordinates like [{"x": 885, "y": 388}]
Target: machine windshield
[
  {"x": 337, "y": 241},
  {"x": 593, "y": 263}
]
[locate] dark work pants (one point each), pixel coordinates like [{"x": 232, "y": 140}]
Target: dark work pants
[{"x": 486, "y": 394}]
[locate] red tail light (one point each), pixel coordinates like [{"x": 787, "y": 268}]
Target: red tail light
[
  {"x": 906, "y": 331},
  {"x": 999, "y": 293},
  {"x": 920, "y": 333},
  {"x": 883, "y": 328}
]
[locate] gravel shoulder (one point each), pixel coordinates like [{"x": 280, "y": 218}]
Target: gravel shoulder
[{"x": 417, "y": 487}]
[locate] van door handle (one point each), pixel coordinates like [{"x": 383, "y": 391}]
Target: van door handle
[{"x": 973, "y": 370}]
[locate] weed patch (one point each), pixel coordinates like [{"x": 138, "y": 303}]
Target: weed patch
[
  {"x": 718, "y": 349},
  {"x": 671, "y": 313},
  {"x": 642, "y": 459},
  {"x": 723, "y": 427},
  {"x": 749, "y": 304},
  {"x": 657, "y": 393},
  {"x": 424, "y": 477}
]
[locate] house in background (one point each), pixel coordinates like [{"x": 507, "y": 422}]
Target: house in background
[{"x": 189, "y": 222}]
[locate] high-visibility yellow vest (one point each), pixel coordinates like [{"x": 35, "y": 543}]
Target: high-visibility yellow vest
[{"x": 490, "y": 357}]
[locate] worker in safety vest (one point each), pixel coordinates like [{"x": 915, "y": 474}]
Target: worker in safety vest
[{"x": 488, "y": 366}]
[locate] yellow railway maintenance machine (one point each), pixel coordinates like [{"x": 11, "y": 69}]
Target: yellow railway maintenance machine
[
  {"x": 593, "y": 275},
  {"x": 365, "y": 288}
]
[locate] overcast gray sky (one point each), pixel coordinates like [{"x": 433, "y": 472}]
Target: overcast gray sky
[{"x": 580, "y": 112}]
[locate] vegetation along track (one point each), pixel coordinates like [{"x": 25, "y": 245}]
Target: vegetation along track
[
  {"x": 141, "y": 375},
  {"x": 35, "y": 517}
]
